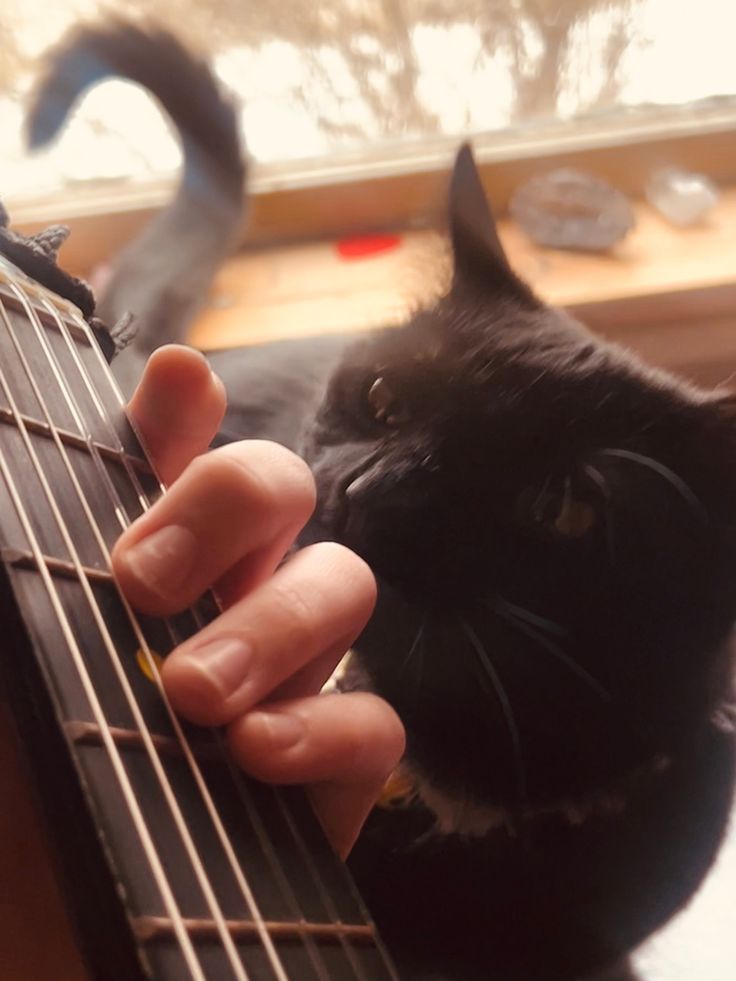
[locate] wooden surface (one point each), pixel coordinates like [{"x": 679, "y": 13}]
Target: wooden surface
[
  {"x": 398, "y": 184},
  {"x": 668, "y": 293}
]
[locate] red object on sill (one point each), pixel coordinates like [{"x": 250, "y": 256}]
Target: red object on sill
[{"x": 365, "y": 246}]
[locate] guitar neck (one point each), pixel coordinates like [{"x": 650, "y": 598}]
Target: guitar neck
[{"x": 175, "y": 864}]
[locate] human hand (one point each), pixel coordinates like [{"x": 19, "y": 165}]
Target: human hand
[{"x": 227, "y": 521}]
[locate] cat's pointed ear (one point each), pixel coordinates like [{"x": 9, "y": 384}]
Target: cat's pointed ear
[{"x": 478, "y": 255}]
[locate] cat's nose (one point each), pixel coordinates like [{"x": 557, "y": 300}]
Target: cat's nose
[
  {"x": 373, "y": 482},
  {"x": 381, "y": 493},
  {"x": 358, "y": 488}
]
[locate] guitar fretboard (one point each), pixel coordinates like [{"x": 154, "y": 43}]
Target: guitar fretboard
[{"x": 219, "y": 877}]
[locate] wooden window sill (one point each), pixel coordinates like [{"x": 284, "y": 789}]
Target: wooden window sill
[{"x": 668, "y": 293}]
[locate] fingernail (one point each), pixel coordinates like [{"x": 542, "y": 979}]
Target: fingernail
[
  {"x": 281, "y": 729},
  {"x": 224, "y": 663},
  {"x": 163, "y": 561}
]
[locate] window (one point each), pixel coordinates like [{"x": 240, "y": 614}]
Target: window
[
  {"x": 351, "y": 88},
  {"x": 352, "y": 110}
]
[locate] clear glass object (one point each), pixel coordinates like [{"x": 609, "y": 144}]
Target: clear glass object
[{"x": 682, "y": 197}]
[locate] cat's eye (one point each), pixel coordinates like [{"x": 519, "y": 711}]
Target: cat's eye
[
  {"x": 575, "y": 519},
  {"x": 384, "y": 404},
  {"x": 559, "y": 513}
]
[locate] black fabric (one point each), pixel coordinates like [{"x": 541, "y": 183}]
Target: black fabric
[{"x": 36, "y": 256}]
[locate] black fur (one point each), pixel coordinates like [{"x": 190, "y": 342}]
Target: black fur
[
  {"x": 549, "y": 672},
  {"x": 567, "y": 677}
]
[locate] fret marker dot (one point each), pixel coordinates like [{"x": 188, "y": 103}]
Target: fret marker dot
[{"x": 143, "y": 663}]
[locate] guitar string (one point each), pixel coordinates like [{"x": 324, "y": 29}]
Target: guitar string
[
  {"x": 237, "y": 775},
  {"x": 149, "y": 848},
  {"x": 123, "y": 518},
  {"x": 124, "y": 521},
  {"x": 108, "y": 643},
  {"x": 147, "y": 843},
  {"x": 105, "y": 635},
  {"x": 314, "y": 872},
  {"x": 380, "y": 947}
]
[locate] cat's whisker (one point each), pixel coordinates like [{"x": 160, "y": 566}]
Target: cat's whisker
[
  {"x": 529, "y": 630},
  {"x": 601, "y": 485},
  {"x": 500, "y": 603},
  {"x": 419, "y": 677},
  {"x": 673, "y": 479},
  {"x": 418, "y": 639},
  {"x": 506, "y": 709},
  {"x": 536, "y": 508},
  {"x": 418, "y": 646}
]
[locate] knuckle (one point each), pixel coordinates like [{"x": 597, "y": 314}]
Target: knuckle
[
  {"x": 297, "y": 611},
  {"x": 203, "y": 466},
  {"x": 239, "y": 747},
  {"x": 273, "y": 475},
  {"x": 269, "y": 767},
  {"x": 223, "y": 475}
]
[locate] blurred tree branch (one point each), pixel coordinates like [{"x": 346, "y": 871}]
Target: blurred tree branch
[{"x": 540, "y": 39}]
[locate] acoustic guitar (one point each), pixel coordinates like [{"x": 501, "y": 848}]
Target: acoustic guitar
[{"x": 167, "y": 862}]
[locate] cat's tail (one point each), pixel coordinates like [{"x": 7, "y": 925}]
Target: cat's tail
[{"x": 164, "y": 275}]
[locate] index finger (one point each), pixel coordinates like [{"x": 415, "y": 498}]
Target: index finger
[{"x": 177, "y": 408}]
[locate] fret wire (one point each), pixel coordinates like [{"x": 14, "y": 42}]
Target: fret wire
[
  {"x": 330, "y": 906},
  {"x": 60, "y": 567},
  {"x": 259, "y": 827},
  {"x": 237, "y": 775},
  {"x": 152, "y": 928},
  {"x": 10, "y": 299},
  {"x": 87, "y": 734},
  {"x": 149, "y": 849},
  {"x": 236, "y": 867},
  {"x": 37, "y": 427},
  {"x": 189, "y": 846}
]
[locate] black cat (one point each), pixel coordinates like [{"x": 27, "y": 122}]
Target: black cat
[
  {"x": 552, "y": 526},
  {"x": 553, "y": 529}
]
